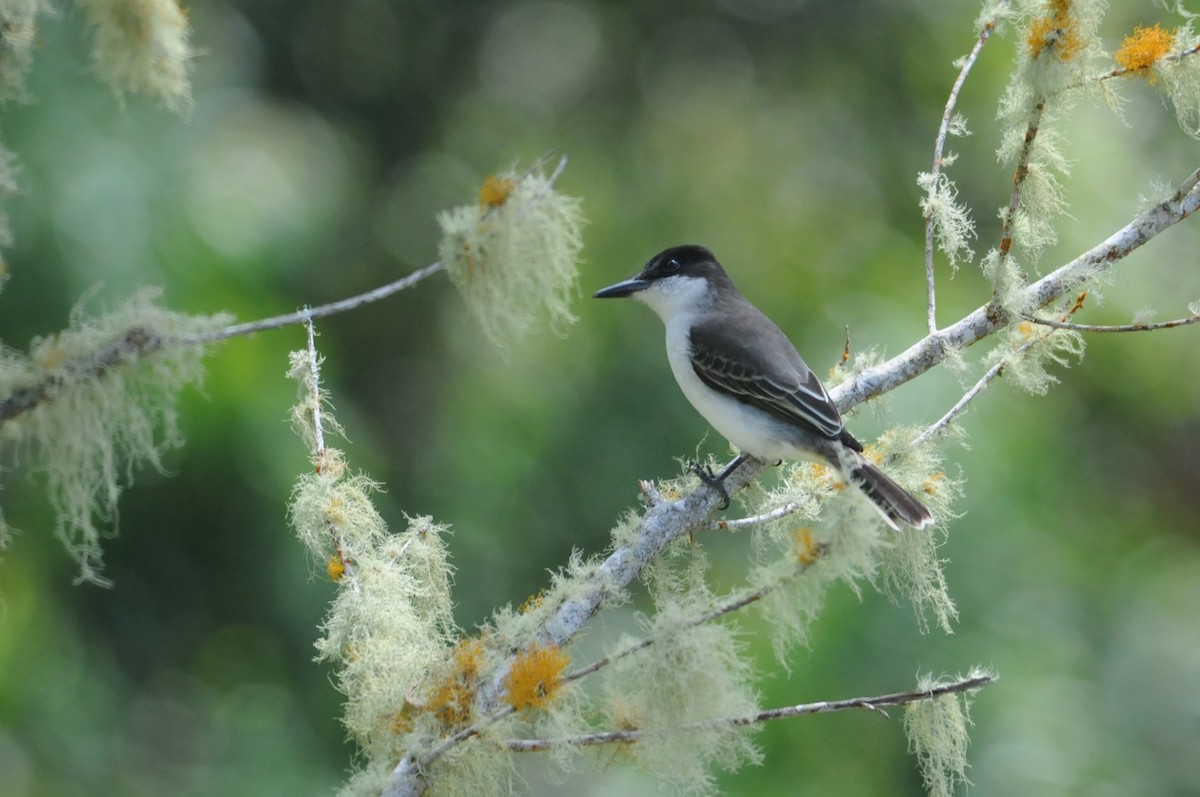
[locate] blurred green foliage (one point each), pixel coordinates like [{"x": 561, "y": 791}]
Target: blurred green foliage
[{"x": 786, "y": 135}]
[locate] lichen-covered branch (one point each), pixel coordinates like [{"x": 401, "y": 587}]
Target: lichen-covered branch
[
  {"x": 984, "y": 321},
  {"x": 664, "y": 521}
]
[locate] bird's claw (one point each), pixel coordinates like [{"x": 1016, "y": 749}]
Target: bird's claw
[{"x": 713, "y": 481}]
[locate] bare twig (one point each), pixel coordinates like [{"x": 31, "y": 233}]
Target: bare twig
[
  {"x": 374, "y": 295},
  {"x": 732, "y": 606},
  {"x": 938, "y": 148},
  {"x": 1143, "y": 327},
  {"x": 320, "y": 311},
  {"x": 961, "y": 405},
  {"x": 968, "y": 684},
  {"x": 755, "y": 520}
]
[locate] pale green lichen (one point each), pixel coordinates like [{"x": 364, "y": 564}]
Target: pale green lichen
[
  {"x": 406, "y": 669},
  {"x": 910, "y": 568},
  {"x": 8, "y": 188},
  {"x": 142, "y": 46},
  {"x": 18, "y": 32},
  {"x": 937, "y": 733},
  {"x": 514, "y": 255},
  {"x": 1029, "y": 350},
  {"x": 835, "y": 535},
  {"x": 1179, "y": 80},
  {"x": 675, "y": 688},
  {"x": 95, "y": 403},
  {"x": 1059, "y": 51},
  {"x": 951, "y": 219}
]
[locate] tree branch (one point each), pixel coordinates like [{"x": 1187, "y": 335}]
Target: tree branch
[
  {"x": 320, "y": 311},
  {"x": 938, "y": 148},
  {"x": 986, "y": 320},
  {"x": 754, "y": 520},
  {"x": 128, "y": 346},
  {"x": 969, "y": 684},
  {"x": 665, "y": 521},
  {"x": 1143, "y": 327}
]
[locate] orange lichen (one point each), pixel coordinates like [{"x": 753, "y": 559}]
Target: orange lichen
[
  {"x": 1026, "y": 330},
  {"x": 806, "y": 548},
  {"x": 495, "y": 191},
  {"x": 1143, "y": 48},
  {"x": 1056, "y": 32},
  {"x": 336, "y": 566},
  {"x": 454, "y": 691},
  {"x": 930, "y": 487},
  {"x": 535, "y": 677},
  {"x": 532, "y": 602}
]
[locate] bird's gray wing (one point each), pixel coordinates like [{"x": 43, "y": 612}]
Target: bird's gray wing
[{"x": 758, "y": 365}]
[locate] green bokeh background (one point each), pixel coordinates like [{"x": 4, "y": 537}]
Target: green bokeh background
[{"x": 784, "y": 134}]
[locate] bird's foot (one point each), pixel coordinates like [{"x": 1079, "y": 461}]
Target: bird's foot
[
  {"x": 712, "y": 481},
  {"x": 716, "y": 481}
]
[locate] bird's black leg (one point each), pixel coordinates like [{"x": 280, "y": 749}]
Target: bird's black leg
[{"x": 717, "y": 481}]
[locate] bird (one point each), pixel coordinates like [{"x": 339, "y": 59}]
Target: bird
[{"x": 744, "y": 376}]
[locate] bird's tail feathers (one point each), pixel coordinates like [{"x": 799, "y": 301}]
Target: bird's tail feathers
[{"x": 894, "y": 503}]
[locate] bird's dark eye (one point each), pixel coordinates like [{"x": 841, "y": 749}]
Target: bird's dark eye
[{"x": 671, "y": 266}]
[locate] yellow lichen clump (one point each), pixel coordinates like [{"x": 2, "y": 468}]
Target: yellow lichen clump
[
  {"x": 535, "y": 677},
  {"x": 807, "y": 549},
  {"x": 1056, "y": 32},
  {"x": 495, "y": 190},
  {"x": 453, "y": 693},
  {"x": 1143, "y": 48}
]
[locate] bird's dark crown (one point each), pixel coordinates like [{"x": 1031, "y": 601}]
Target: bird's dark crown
[{"x": 689, "y": 260}]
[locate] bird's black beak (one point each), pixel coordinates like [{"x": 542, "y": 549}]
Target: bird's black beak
[{"x": 626, "y": 288}]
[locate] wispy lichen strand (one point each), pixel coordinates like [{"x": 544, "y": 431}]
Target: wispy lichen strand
[
  {"x": 937, "y": 733},
  {"x": 514, "y": 254},
  {"x": 96, "y": 402},
  {"x": 18, "y": 31},
  {"x": 142, "y": 46}
]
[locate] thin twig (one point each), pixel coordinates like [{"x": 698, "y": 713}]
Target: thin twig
[
  {"x": 755, "y": 520},
  {"x": 320, "y": 311},
  {"x": 1123, "y": 71},
  {"x": 707, "y": 617},
  {"x": 961, "y": 405},
  {"x": 968, "y": 684},
  {"x": 996, "y": 370},
  {"x": 374, "y": 295},
  {"x": 1144, "y": 327},
  {"x": 1018, "y": 182},
  {"x": 938, "y": 148}
]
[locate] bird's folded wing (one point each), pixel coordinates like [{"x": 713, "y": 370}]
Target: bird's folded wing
[{"x": 793, "y": 393}]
